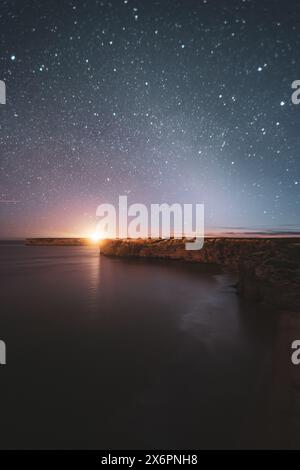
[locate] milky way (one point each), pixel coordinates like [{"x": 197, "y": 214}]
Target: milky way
[{"x": 162, "y": 101}]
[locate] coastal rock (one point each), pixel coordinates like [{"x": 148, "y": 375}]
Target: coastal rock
[{"x": 268, "y": 269}]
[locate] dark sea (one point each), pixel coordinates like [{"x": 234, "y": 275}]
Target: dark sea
[{"x": 107, "y": 353}]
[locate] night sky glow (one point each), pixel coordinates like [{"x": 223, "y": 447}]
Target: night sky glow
[{"x": 160, "y": 100}]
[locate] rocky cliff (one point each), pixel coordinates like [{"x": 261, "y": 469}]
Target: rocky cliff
[{"x": 268, "y": 268}]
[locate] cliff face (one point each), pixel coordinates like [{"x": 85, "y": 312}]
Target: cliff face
[{"x": 268, "y": 269}]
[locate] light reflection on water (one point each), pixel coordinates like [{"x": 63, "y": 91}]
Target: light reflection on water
[{"x": 124, "y": 353}]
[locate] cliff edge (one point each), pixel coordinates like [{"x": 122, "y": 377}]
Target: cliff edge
[{"x": 268, "y": 268}]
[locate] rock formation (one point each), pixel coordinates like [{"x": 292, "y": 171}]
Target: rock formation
[{"x": 268, "y": 268}]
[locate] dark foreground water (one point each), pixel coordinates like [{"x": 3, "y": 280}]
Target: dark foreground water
[{"x": 108, "y": 353}]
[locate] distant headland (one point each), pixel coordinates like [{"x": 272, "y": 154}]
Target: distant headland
[{"x": 57, "y": 241}]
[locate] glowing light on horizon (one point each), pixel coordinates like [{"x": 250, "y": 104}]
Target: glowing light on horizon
[{"x": 96, "y": 237}]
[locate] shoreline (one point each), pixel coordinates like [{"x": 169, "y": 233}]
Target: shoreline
[
  {"x": 268, "y": 269},
  {"x": 59, "y": 241},
  {"x": 268, "y": 272}
]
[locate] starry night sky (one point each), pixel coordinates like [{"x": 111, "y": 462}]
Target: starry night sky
[{"x": 161, "y": 100}]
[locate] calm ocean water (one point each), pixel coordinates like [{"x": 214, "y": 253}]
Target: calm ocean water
[{"x": 108, "y": 353}]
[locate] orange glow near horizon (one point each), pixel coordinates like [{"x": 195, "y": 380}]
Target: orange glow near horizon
[{"x": 96, "y": 237}]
